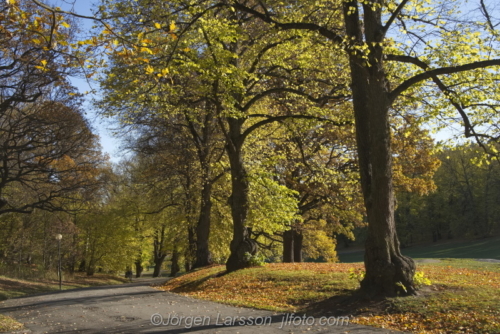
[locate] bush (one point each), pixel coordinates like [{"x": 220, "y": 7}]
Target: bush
[{"x": 257, "y": 260}]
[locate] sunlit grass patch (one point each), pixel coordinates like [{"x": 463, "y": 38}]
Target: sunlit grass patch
[
  {"x": 466, "y": 299},
  {"x": 8, "y": 324},
  {"x": 278, "y": 287},
  {"x": 464, "y": 296}
]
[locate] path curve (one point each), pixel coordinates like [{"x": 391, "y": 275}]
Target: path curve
[{"x": 131, "y": 308}]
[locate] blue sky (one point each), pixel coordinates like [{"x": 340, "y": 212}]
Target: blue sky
[{"x": 110, "y": 144}]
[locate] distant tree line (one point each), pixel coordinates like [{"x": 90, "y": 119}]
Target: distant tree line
[{"x": 466, "y": 203}]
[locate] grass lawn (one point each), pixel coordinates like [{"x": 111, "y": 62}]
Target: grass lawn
[
  {"x": 464, "y": 296},
  {"x": 11, "y": 288},
  {"x": 472, "y": 249}
]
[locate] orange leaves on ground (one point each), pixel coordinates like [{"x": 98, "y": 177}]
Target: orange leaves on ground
[
  {"x": 279, "y": 287},
  {"x": 461, "y": 300},
  {"x": 437, "y": 323}
]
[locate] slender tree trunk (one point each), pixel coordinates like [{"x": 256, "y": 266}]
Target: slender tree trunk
[
  {"x": 388, "y": 272},
  {"x": 241, "y": 243}
]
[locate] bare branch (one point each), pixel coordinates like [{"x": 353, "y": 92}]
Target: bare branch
[
  {"x": 486, "y": 14},
  {"x": 394, "y": 16}
]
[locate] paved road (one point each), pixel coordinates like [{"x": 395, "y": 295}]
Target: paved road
[{"x": 132, "y": 308}]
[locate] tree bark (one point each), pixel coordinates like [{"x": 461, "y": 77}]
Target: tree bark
[
  {"x": 82, "y": 266},
  {"x": 241, "y": 242},
  {"x": 90, "y": 268},
  {"x": 159, "y": 252},
  {"x": 203, "y": 140},
  {"x": 158, "y": 263},
  {"x": 288, "y": 247},
  {"x": 297, "y": 246},
  {"x": 190, "y": 253},
  {"x": 138, "y": 267},
  {"x": 174, "y": 268},
  {"x": 203, "y": 256},
  {"x": 388, "y": 273}
]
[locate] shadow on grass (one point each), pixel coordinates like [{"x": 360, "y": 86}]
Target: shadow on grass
[
  {"x": 347, "y": 303},
  {"x": 194, "y": 285}
]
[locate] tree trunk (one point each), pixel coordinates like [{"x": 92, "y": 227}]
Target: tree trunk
[
  {"x": 82, "y": 266},
  {"x": 174, "y": 268},
  {"x": 297, "y": 246},
  {"x": 292, "y": 245},
  {"x": 138, "y": 267},
  {"x": 288, "y": 247},
  {"x": 159, "y": 252},
  {"x": 158, "y": 263},
  {"x": 388, "y": 273},
  {"x": 90, "y": 268},
  {"x": 241, "y": 243},
  {"x": 204, "y": 145},
  {"x": 190, "y": 252},
  {"x": 203, "y": 256}
]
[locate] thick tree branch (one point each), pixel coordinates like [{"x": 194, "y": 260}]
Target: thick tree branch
[
  {"x": 331, "y": 35},
  {"x": 469, "y": 128},
  {"x": 431, "y": 73}
]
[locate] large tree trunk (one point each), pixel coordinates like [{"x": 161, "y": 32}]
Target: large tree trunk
[
  {"x": 288, "y": 247},
  {"x": 388, "y": 273},
  {"x": 297, "y": 246},
  {"x": 292, "y": 245},
  {"x": 138, "y": 266},
  {"x": 241, "y": 243},
  {"x": 158, "y": 260},
  {"x": 203, "y": 142}
]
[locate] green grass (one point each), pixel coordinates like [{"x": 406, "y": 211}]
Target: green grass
[
  {"x": 473, "y": 249},
  {"x": 8, "y": 324}
]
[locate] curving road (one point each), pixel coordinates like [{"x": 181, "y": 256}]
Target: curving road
[{"x": 139, "y": 308}]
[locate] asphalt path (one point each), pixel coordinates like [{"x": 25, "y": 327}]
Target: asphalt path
[{"x": 139, "y": 308}]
